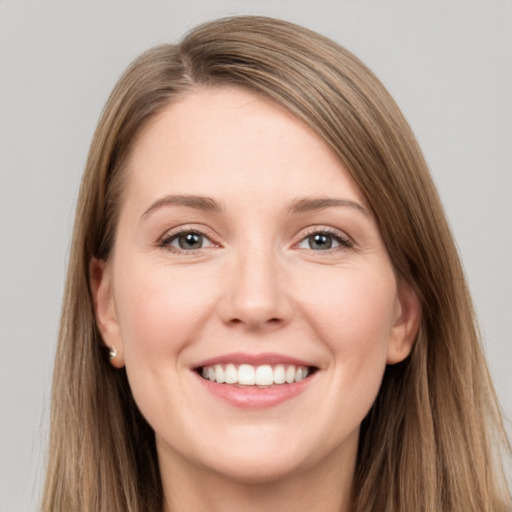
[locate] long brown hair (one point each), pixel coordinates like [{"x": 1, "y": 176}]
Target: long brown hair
[{"x": 427, "y": 443}]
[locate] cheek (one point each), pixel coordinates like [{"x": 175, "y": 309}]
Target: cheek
[
  {"x": 353, "y": 309},
  {"x": 160, "y": 313},
  {"x": 159, "y": 310},
  {"x": 354, "y": 315}
]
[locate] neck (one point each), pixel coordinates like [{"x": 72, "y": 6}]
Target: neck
[{"x": 325, "y": 487}]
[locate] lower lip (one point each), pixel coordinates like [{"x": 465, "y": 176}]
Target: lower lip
[{"x": 253, "y": 397}]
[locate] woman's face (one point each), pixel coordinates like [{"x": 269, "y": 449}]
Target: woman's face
[{"x": 245, "y": 252}]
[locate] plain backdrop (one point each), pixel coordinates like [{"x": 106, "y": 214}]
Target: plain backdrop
[{"x": 448, "y": 64}]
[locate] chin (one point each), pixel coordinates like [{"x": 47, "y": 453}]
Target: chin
[
  {"x": 261, "y": 459},
  {"x": 254, "y": 470}
]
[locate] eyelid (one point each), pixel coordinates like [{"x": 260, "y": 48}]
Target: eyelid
[
  {"x": 164, "y": 240},
  {"x": 341, "y": 237}
]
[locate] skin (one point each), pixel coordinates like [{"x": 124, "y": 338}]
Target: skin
[{"x": 257, "y": 285}]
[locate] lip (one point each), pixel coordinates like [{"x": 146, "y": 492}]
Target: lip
[
  {"x": 253, "y": 397},
  {"x": 254, "y": 360}
]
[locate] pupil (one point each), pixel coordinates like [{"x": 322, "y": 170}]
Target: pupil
[
  {"x": 191, "y": 241},
  {"x": 320, "y": 241}
]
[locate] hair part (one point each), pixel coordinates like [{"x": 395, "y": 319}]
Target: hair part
[{"x": 426, "y": 444}]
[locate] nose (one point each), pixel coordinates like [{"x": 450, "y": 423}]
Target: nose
[{"x": 255, "y": 292}]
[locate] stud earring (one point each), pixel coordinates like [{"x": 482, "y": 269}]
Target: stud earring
[{"x": 112, "y": 353}]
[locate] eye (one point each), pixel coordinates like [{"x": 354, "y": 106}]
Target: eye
[
  {"x": 186, "y": 241},
  {"x": 324, "y": 241}
]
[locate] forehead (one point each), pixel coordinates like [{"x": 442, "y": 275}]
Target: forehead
[{"x": 229, "y": 139}]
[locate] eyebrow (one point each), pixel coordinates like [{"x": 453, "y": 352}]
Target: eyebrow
[
  {"x": 308, "y": 204},
  {"x": 301, "y": 205},
  {"x": 198, "y": 202}
]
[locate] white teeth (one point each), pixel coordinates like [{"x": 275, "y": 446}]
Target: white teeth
[
  {"x": 231, "y": 374},
  {"x": 279, "y": 374},
  {"x": 264, "y": 375},
  {"x": 219, "y": 374},
  {"x": 248, "y": 375}
]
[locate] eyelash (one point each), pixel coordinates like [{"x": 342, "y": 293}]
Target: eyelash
[
  {"x": 168, "y": 238},
  {"x": 343, "y": 241}
]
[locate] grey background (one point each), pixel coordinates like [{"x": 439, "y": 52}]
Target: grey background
[{"x": 448, "y": 64}]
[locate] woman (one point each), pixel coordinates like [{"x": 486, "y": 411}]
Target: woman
[{"x": 265, "y": 309}]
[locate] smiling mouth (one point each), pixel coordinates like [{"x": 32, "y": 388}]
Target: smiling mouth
[{"x": 246, "y": 375}]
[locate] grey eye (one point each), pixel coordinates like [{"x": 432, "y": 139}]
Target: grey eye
[
  {"x": 189, "y": 241},
  {"x": 319, "y": 242},
  {"x": 324, "y": 241}
]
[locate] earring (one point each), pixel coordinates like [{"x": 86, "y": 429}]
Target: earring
[{"x": 112, "y": 353}]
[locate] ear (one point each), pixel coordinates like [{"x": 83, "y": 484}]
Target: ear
[
  {"x": 100, "y": 275},
  {"x": 406, "y": 324}
]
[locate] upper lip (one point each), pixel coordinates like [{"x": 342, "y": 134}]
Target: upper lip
[{"x": 253, "y": 359}]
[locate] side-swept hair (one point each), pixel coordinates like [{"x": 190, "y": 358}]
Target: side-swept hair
[{"x": 427, "y": 443}]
